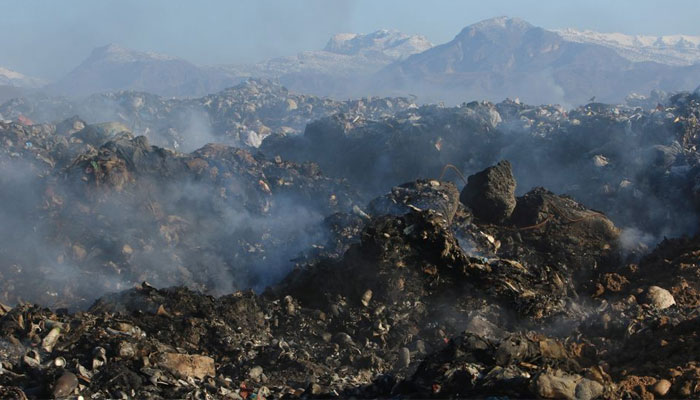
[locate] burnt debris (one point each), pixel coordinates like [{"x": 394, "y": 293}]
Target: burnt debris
[{"x": 129, "y": 270}]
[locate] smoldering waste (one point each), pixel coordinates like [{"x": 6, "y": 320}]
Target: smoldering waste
[
  {"x": 421, "y": 292},
  {"x": 242, "y": 115},
  {"x": 640, "y": 166},
  {"x": 84, "y": 220}
]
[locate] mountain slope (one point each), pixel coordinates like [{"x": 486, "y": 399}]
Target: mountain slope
[
  {"x": 493, "y": 59},
  {"x": 14, "y": 84},
  {"x": 13, "y": 78},
  {"x": 341, "y": 68},
  {"x": 507, "y": 57},
  {"x": 346, "y": 58},
  {"x": 392, "y": 44},
  {"x": 671, "y": 49},
  {"x": 112, "y": 68}
]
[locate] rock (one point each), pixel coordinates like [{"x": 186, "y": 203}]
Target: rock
[
  {"x": 404, "y": 357},
  {"x": 491, "y": 193},
  {"x": 342, "y": 338},
  {"x": 65, "y": 385},
  {"x": 185, "y": 366},
  {"x": 600, "y": 161},
  {"x": 420, "y": 347},
  {"x": 126, "y": 350},
  {"x": 479, "y": 325},
  {"x": 255, "y": 373},
  {"x": 588, "y": 390},
  {"x": 314, "y": 389},
  {"x": 556, "y": 385},
  {"x": 289, "y": 305},
  {"x": 659, "y": 297},
  {"x": 661, "y": 387},
  {"x": 79, "y": 252},
  {"x": 127, "y": 250},
  {"x": 687, "y": 389},
  {"x": 366, "y": 297}
]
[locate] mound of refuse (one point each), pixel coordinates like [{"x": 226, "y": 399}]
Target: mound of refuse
[
  {"x": 414, "y": 295},
  {"x": 354, "y": 259},
  {"x": 93, "y": 209},
  {"x": 640, "y": 166},
  {"x": 242, "y": 115}
]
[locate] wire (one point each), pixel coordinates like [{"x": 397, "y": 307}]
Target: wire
[{"x": 450, "y": 166}]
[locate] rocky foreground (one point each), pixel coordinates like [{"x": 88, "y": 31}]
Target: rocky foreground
[{"x": 429, "y": 293}]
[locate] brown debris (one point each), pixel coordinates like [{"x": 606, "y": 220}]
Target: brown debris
[{"x": 185, "y": 366}]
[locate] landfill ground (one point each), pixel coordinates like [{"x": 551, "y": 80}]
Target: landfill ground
[{"x": 386, "y": 250}]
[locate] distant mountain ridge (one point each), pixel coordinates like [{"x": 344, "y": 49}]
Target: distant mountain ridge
[
  {"x": 338, "y": 70},
  {"x": 669, "y": 49},
  {"x": 347, "y": 57},
  {"x": 491, "y": 59},
  {"x": 118, "y": 54},
  {"x": 508, "y": 57},
  {"x": 113, "y": 68},
  {"x": 15, "y": 84},
  {"x": 393, "y": 44},
  {"x": 9, "y": 77}
]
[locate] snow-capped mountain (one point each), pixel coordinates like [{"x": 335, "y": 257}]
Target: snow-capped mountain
[
  {"x": 508, "y": 57},
  {"x": 346, "y": 61},
  {"x": 14, "y": 78},
  {"x": 492, "y": 59},
  {"x": 670, "y": 49},
  {"x": 393, "y": 44}
]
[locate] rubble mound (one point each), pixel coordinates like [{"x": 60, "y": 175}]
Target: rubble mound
[
  {"x": 423, "y": 300},
  {"x": 629, "y": 162},
  {"x": 216, "y": 219},
  {"x": 491, "y": 193},
  {"x": 562, "y": 228},
  {"x": 242, "y": 115},
  {"x": 227, "y": 273},
  {"x": 517, "y": 365}
]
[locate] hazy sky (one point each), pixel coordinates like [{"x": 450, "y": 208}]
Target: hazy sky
[{"x": 48, "y": 38}]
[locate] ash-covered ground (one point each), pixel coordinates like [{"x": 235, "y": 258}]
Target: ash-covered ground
[{"x": 386, "y": 250}]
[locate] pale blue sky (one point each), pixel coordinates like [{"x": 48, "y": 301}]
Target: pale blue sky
[{"x": 48, "y": 38}]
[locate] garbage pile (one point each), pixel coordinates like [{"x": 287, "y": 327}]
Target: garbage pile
[
  {"x": 389, "y": 251},
  {"x": 89, "y": 209},
  {"x": 640, "y": 166},
  {"x": 242, "y": 115},
  {"x": 424, "y": 292}
]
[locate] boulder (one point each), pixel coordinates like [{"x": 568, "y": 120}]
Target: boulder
[{"x": 491, "y": 193}]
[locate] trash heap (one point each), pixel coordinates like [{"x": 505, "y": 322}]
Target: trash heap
[
  {"x": 133, "y": 270},
  {"x": 424, "y": 292},
  {"x": 242, "y": 115},
  {"x": 640, "y": 166},
  {"x": 89, "y": 209}
]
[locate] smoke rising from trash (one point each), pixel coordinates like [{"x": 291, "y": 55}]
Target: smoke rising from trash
[
  {"x": 629, "y": 164},
  {"x": 499, "y": 233},
  {"x": 129, "y": 212}
]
